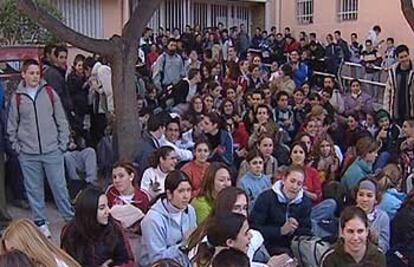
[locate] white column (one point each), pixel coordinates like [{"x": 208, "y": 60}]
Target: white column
[{"x": 269, "y": 16}]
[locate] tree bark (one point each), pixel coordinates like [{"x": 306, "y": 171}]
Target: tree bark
[
  {"x": 407, "y": 9},
  {"x": 127, "y": 130},
  {"x": 41, "y": 16}
]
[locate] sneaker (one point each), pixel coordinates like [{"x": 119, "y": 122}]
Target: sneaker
[{"x": 45, "y": 230}]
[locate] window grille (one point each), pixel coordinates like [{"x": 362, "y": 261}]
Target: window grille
[
  {"x": 347, "y": 10},
  {"x": 304, "y": 11}
]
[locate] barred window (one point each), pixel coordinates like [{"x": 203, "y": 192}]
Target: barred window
[
  {"x": 84, "y": 16},
  {"x": 347, "y": 10},
  {"x": 304, "y": 12}
]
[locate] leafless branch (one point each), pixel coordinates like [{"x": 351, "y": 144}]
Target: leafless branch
[
  {"x": 62, "y": 31},
  {"x": 407, "y": 9},
  {"x": 142, "y": 12}
]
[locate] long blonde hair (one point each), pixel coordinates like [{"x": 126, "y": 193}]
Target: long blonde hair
[{"x": 25, "y": 236}]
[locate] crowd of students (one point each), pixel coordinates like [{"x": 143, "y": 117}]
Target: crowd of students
[{"x": 241, "y": 153}]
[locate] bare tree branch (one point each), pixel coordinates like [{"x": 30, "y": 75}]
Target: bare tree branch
[
  {"x": 62, "y": 31},
  {"x": 408, "y": 12},
  {"x": 142, "y": 12}
]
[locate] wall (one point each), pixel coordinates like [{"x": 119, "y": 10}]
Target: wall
[
  {"x": 258, "y": 16},
  {"x": 112, "y": 17},
  {"x": 385, "y": 13}
]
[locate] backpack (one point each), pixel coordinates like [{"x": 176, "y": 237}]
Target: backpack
[
  {"x": 309, "y": 250},
  {"x": 401, "y": 255},
  {"x": 49, "y": 91}
]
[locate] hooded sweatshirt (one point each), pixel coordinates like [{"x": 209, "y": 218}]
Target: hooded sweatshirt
[
  {"x": 164, "y": 230},
  {"x": 358, "y": 170},
  {"x": 254, "y": 185},
  {"x": 271, "y": 211},
  {"x": 391, "y": 201}
]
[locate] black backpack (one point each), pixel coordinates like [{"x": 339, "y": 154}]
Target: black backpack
[{"x": 401, "y": 255}]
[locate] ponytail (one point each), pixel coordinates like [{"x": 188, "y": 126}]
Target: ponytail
[{"x": 162, "y": 152}]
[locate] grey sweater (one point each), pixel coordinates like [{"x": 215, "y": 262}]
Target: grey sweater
[{"x": 37, "y": 126}]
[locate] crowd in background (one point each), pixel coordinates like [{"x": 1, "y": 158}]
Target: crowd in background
[{"x": 245, "y": 153}]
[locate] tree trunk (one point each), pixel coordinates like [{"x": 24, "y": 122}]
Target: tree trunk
[
  {"x": 407, "y": 9},
  {"x": 127, "y": 130}
]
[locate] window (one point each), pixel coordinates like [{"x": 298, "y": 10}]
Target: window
[
  {"x": 347, "y": 10},
  {"x": 84, "y": 16},
  {"x": 304, "y": 11}
]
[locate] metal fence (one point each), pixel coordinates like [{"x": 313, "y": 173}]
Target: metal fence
[{"x": 372, "y": 83}]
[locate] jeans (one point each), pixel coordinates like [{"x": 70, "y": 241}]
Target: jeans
[
  {"x": 34, "y": 168},
  {"x": 325, "y": 210},
  {"x": 83, "y": 161}
]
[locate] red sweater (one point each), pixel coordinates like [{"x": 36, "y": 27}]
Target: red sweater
[
  {"x": 241, "y": 136},
  {"x": 313, "y": 183},
  {"x": 140, "y": 200},
  {"x": 196, "y": 174}
]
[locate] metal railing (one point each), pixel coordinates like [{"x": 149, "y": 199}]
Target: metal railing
[{"x": 372, "y": 83}]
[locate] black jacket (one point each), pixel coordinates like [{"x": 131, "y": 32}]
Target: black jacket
[
  {"x": 269, "y": 214},
  {"x": 78, "y": 94},
  {"x": 146, "y": 145},
  {"x": 55, "y": 77}
]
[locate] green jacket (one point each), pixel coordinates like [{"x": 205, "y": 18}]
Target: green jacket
[
  {"x": 203, "y": 208},
  {"x": 337, "y": 257}
]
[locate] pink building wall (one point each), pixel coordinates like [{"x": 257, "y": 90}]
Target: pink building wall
[{"x": 386, "y": 13}]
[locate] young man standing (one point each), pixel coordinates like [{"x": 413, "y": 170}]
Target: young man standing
[
  {"x": 38, "y": 132},
  {"x": 55, "y": 76},
  {"x": 399, "y": 89}
]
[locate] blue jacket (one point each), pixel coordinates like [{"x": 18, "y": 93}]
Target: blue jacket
[
  {"x": 162, "y": 236},
  {"x": 254, "y": 185},
  {"x": 391, "y": 201},
  {"x": 380, "y": 222},
  {"x": 271, "y": 211},
  {"x": 358, "y": 170},
  {"x": 301, "y": 74},
  {"x": 227, "y": 142}
]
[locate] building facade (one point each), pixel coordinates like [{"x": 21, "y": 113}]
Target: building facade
[
  {"x": 103, "y": 18},
  {"x": 348, "y": 16}
]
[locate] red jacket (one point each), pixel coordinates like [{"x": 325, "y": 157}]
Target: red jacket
[
  {"x": 294, "y": 45},
  {"x": 140, "y": 200}
]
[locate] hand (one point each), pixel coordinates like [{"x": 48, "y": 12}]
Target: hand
[
  {"x": 239, "y": 89},
  {"x": 283, "y": 260},
  {"x": 241, "y": 152},
  {"x": 220, "y": 150},
  {"x": 287, "y": 123},
  {"x": 289, "y": 227},
  {"x": 256, "y": 127},
  {"x": 106, "y": 263},
  {"x": 374, "y": 236},
  {"x": 237, "y": 118},
  {"x": 72, "y": 146},
  {"x": 382, "y": 134}
]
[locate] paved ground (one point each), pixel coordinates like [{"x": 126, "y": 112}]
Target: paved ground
[{"x": 56, "y": 221}]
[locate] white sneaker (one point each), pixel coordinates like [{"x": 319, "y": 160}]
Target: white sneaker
[{"x": 45, "y": 230}]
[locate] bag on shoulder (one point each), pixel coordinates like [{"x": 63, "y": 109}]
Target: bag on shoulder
[
  {"x": 401, "y": 255},
  {"x": 309, "y": 250}
]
